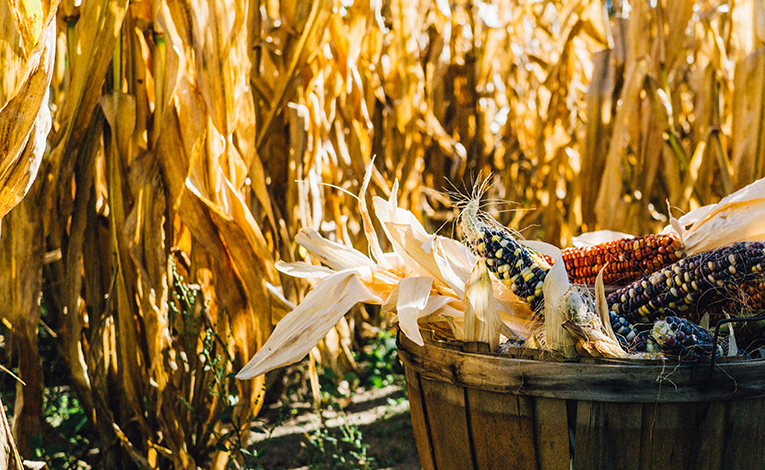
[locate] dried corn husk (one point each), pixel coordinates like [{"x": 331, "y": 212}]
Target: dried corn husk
[
  {"x": 594, "y": 337},
  {"x": 482, "y": 321},
  {"x": 427, "y": 278},
  {"x": 25, "y": 118},
  {"x": 297, "y": 333},
  {"x": 413, "y": 296},
  {"x": 738, "y": 217},
  {"x": 555, "y": 289},
  {"x": 597, "y": 237},
  {"x": 571, "y": 326}
]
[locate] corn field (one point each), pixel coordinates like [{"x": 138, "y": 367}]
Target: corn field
[{"x": 145, "y": 142}]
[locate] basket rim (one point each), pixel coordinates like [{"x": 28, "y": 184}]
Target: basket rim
[{"x": 646, "y": 381}]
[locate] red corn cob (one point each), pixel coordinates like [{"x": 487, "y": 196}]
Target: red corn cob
[{"x": 628, "y": 258}]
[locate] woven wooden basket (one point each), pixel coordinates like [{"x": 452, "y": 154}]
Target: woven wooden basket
[{"x": 475, "y": 410}]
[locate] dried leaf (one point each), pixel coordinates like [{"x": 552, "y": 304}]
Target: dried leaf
[
  {"x": 481, "y": 321},
  {"x": 592, "y": 342},
  {"x": 22, "y": 244},
  {"x": 413, "y": 294},
  {"x": 598, "y": 237},
  {"x": 610, "y": 209},
  {"x": 304, "y": 327},
  {"x": 602, "y": 305},
  {"x": 555, "y": 287},
  {"x": 218, "y": 37},
  {"x": 334, "y": 255},
  {"x": 25, "y": 122},
  {"x": 369, "y": 229},
  {"x": 28, "y": 18},
  {"x": 303, "y": 270},
  {"x": 737, "y": 217}
]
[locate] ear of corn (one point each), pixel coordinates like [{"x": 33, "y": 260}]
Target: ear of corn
[
  {"x": 745, "y": 300},
  {"x": 625, "y": 259},
  {"x": 679, "y": 288},
  {"x": 521, "y": 269},
  {"x": 676, "y": 336}
]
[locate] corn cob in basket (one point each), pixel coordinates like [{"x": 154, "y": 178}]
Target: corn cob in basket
[
  {"x": 676, "y": 336},
  {"x": 625, "y": 259},
  {"x": 523, "y": 269},
  {"x": 674, "y": 289},
  {"x": 689, "y": 283}
]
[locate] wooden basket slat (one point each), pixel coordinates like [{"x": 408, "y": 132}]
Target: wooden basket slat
[
  {"x": 745, "y": 427},
  {"x": 607, "y": 435},
  {"x": 419, "y": 420},
  {"x": 504, "y": 420},
  {"x": 551, "y": 433},
  {"x": 671, "y": 433},
  {"x": 448, "y": 424},
  {"x": 711, "y": 431}
]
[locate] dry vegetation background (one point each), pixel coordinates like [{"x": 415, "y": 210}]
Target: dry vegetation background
[{"x": 201, "y": 136}]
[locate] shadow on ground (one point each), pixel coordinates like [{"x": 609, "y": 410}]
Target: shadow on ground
[{"x": 376, "y": 422}]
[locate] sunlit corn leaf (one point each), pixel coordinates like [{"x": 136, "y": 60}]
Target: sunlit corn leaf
[
  {"x": 92, "y": 54},
  {"x": 747, "y": 155},
  {"x": 369, "y": 229},
  {"x": 28, "y": 16},
  {"x": 219, "y": 39},
  {"x": 302, "y": 328},
  {"x": 25, "y": 118},
  {"x": 611, "y": 211}
]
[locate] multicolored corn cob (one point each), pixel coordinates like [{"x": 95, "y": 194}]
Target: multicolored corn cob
[
  {"x": 624, "y": 330},
  {"x": 628, "y": 258},
  {"x": 675, "y": 336},
  {"x": 679, "y": 287},
  {"x": 521, "y": 269},
  {"x": 745, "y": 300}
]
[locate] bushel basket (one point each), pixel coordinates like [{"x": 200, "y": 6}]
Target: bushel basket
[{"x": 475, "y": 410}]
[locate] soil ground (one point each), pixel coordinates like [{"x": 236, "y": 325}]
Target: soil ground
[{"x": 381, "y": 416}]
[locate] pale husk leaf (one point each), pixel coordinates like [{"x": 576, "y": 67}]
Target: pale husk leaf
[
  {"x": 369, "y": 229},
  {"x": 597, "y": 237},
  {"x": 555, "y": 287},
  {"x": 301, "y": 269},
  {"x": 298, "y": 332},
  {"x": 413, "y": 294},
  {"x": 737, "y": 217},
  {"x": 336, "y": 256},
  {"x": 453, "y": 262},
  {"x": 481, "y": 320},
  {"x": 602, "y": 305}
]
